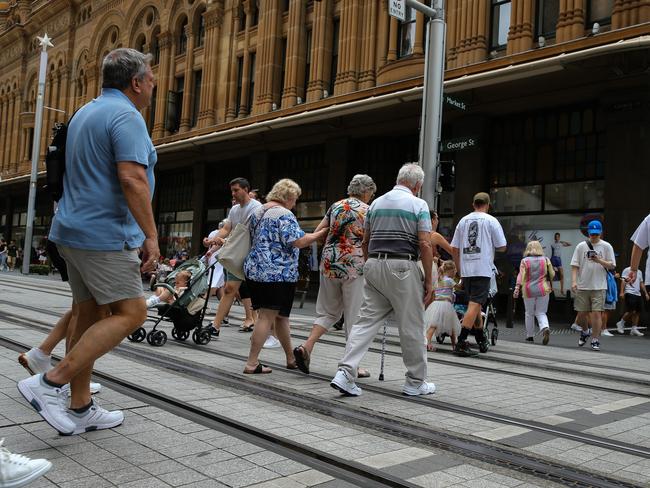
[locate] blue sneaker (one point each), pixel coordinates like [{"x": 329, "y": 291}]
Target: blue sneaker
[{"x": 584, "y": 337}]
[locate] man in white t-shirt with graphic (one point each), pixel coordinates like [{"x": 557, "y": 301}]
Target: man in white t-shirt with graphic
[
  {"x": 590, "y": 263},
  {"x": 477, "y": 237},
  {"x": 239, "y": 214},
  {"x": 631, "y": 293}
]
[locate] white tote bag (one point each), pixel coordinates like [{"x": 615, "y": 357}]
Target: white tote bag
[{"x": 233, "y": 252}]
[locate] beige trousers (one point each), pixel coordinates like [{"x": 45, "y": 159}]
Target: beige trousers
[
  {"x": 338, "y": 297},
  {"x": 391, "y": 286}
]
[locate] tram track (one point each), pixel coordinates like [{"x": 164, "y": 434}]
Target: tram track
[
  {"x": 495, "y": 356},
  {"x": 416, "y": 433},
  {"x": 477, "y": 365}
]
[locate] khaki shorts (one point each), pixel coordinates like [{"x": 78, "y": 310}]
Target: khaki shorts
[
  {"x": 106, "y": 276},
  {"x": 589, "y": 301}
]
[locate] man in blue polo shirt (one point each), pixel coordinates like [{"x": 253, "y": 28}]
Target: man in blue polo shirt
[{"x": 103, "y": 218}]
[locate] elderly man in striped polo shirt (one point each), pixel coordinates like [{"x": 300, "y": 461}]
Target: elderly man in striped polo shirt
[{"x": 396, "y": 235}]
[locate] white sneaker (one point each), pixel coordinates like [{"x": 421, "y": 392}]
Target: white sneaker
[
  {"x": 576, "y": 327},
  {"x": 636, "y": 332},
  {"x": 606, "y": 333},
  {"x": 271, "y": 342},
  {"x": 620, "y": 327},
  {"x": 424, "y": 389},
  {"x": 94, "y": 388},
  {"x": 96, "y": 418},
  {"x": 17, "y": 470},
  {"x": 48, "y": 401},
  {"x": 35, "y": 361},
  {"x": 344, "y": 383}
]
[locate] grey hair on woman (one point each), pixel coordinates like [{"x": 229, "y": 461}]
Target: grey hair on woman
[
  {"x": 121, "y": 65},
  {"x": 410, "y": 175},
  {"x": 360, "y": 185}
]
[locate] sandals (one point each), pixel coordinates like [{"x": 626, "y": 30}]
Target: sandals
[
  {"x": 431, "y": 347},
  {"x": 302, "y": 358},
  {"x": 247, "y": 328},
  {"x": 292, "y": 366},
  {"x": 259, "y": 369}
]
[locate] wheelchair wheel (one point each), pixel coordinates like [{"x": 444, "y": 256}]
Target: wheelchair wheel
[
  {"x": 159, "y": 338},
  {"x": 138, "y": 335},
  {"x": 150, "y": 337},
  {"x": 195, "y": 336},
  {"x": 181, "y": 335},
  {"x": 494, "y": 336}
]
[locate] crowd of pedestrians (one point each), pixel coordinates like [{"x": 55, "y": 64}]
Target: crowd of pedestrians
[{"x": 381, "y": 262}]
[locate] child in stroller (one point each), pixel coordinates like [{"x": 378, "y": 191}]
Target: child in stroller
[
  {"x": 183, "y": 304},
  {"x": 164, "y": 295}
]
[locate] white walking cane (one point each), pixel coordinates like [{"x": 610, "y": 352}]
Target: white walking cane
[{"x": 383, "y": 352}]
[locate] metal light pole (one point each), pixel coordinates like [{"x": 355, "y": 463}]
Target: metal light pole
[
  {"x": 36, "y": 149},
  {"x": 432, "y": 98}
]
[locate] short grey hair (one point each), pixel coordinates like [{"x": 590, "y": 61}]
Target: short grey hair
[
  {"x": 360, "y": 185},
  {"x": 121, "y": 65},
  {"x": 410, "y": 175}
]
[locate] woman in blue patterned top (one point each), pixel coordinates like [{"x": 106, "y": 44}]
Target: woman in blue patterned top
[{"x": 271, "y": 269}]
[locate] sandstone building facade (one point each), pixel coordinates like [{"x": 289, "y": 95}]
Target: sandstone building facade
[{"x": 555, "y": 93}]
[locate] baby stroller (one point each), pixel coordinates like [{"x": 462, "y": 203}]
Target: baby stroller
[
  {"x": 186, "y": 312},
  {"x": 488, "y": 311}
]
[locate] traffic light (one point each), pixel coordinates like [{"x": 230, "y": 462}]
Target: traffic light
[{"x": 447, "y": 177}]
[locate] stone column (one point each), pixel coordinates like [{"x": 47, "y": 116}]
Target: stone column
[
  {"x": 349, "y": 42},
  {"x": 294, "y": 61},
  {"x": 317, "y": 83},
  {"x": 392, "y": 40},
  {"x": 418, "y": 44},
  {"x": 231, "y": 109},
  {"x": 520, "y": 37},
  {"x": 188, "y": 95},
  {"x": 367, "y": 68},
  {"x": 209, "y": 88},
  {"x": 246, "y": 98},
  {"x": 4, "y": 115},
  {"x": 453, "y": 14},
  {"x": 267, "y": 58},
  {"x": 15, "y": 137},
  {"x": 571, "y": 22},
  {"x": 382, "y": 35},
  {"x": 165, "y": 45}
]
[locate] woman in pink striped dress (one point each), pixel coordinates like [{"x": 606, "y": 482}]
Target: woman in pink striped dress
[{"x": 534, "y": 284}]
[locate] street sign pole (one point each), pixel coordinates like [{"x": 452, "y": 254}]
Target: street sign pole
[
  {"x": 36, "y": 149},
  {"x": 432, "y": 98}
]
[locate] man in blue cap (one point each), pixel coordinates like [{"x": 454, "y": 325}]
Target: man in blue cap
[{"x": 589, "y": 265}]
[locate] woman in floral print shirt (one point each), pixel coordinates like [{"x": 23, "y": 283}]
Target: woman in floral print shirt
[{"x": 341, "y": 271}]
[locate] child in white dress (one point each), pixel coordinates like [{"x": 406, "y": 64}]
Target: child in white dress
[{"x": 440, "y": 317}]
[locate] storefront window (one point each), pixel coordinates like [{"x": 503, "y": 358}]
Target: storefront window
[
  {"x": 579, "y": 195},
  {"x": 517, "y": 199},
  {"x": 174, "y": 214},
  {"x": 599, "y": 11}
]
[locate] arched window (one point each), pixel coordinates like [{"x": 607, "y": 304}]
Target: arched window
[
  {"x": 182, "y": 37},
  {"x": 200, "y": 28}
]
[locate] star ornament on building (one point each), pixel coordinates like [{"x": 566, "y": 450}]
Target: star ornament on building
[{"x": 45, "y": 41}]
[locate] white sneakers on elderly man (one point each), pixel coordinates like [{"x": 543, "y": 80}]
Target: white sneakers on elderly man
[{"x": 17, "y": 470}]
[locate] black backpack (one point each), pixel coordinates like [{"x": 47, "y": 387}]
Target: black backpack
[{"x": 55, "y": 160}]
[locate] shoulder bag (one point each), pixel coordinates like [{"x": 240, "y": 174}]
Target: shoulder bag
[
  {"x": 611, "y": 295},
  {"x": 234, "y": 251}
]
